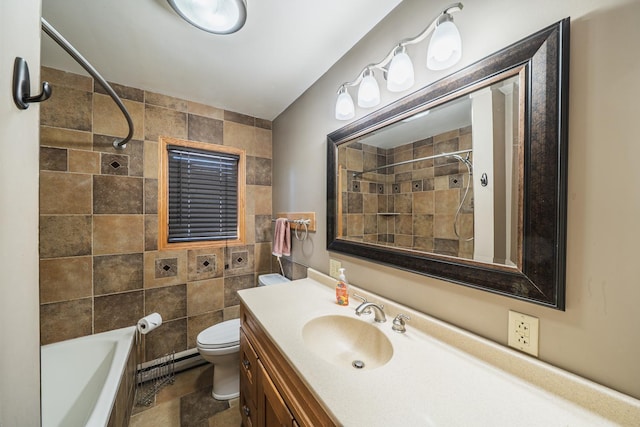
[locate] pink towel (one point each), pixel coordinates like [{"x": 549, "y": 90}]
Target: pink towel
[{"x": 282, "y": 238}]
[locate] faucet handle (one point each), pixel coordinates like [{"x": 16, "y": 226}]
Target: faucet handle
[
  {"x": 364, "y": 301},
  {"x": 360, "y": 297},
  {"x": 399, "y": 322}
]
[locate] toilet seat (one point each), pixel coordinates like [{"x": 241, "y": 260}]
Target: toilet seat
[{"x": 221, "y": 335}]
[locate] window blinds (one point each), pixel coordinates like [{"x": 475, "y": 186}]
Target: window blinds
[{"x": 203, "y": 195}]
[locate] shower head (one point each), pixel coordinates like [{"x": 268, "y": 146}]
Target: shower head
[{"x": 466, "y": 161}]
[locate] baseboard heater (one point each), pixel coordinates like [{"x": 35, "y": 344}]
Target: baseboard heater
[{"x": 181, "y": 362}]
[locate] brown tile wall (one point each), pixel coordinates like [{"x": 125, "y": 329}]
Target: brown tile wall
[
  {"x": 99, "y": 264},
  {"x": 413, "y": 205}
]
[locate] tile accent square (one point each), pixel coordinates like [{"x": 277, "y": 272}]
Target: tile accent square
[
  {"x": 114, "y": 164},
  {"x": 205, "y": 263},
  {"x": 239, "y": 260},
  {"x": 163, "y": 279},
  {"x": 166, "y": 267}
]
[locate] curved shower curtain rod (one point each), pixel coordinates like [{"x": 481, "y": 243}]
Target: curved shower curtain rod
[{"x": 57, "y": 37}]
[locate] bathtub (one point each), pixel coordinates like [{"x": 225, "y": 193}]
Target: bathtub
[{"x": 89, "y": 381}]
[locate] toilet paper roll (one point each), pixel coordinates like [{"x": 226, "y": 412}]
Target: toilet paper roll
[{"x": 149, "y": 323}]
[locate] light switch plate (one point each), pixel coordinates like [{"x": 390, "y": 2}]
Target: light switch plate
[
  {"x": 334, "y": 268},
  {"x": 523, "y": 332}
]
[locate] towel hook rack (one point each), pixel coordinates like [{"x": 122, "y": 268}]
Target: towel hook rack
[{"x": 299, "y": 222}]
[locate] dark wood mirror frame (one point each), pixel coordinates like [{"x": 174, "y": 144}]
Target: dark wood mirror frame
[{"x": 544, "y": 59}]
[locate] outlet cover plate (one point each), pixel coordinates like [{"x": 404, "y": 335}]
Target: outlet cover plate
[
  {"x": 523, "y": 332},
  {"x": 334, "y": 268}
]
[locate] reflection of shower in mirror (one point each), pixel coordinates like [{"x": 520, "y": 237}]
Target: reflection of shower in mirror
[{"x": 469, "y": 165}]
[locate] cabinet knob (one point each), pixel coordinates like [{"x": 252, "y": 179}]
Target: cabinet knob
[
  {"x": 246, "y": 364},
  {"x": 246, "y": 410}
]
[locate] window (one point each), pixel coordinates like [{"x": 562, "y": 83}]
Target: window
[{"x": 201, "y": 194}]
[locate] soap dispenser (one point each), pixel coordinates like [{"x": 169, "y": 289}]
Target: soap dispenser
[{"x": 342, "y": 290}]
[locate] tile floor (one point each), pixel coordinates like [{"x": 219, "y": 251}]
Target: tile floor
[{"x": 188, "y": 403}]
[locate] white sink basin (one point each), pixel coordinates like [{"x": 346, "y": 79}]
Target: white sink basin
[{"x": 347, "y": 342}]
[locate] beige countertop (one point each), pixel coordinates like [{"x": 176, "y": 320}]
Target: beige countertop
[{"x": 438, "y": 375}]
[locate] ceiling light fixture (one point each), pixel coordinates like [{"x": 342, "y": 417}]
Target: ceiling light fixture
[
  {"x": 213, "y": 16},
  {"x": 444, "y": 51}
]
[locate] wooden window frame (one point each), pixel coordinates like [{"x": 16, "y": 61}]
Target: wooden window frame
[{"x": 163, "y": 194}]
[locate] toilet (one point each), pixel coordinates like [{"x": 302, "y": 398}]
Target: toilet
[{"x": 220, "y": 345}]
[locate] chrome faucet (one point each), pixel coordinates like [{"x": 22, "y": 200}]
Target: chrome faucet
[{"x": 377, "y": 310}]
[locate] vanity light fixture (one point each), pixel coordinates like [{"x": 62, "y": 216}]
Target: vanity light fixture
[
  {"x": 400, "y": 73},
  {"x": 445, "y": 47},
  {"x": 369, "y": 91},
  {"x": 444, "y": 51},
  {"x": 345, "y": 109},
  {"x": 213, "y": 16}
]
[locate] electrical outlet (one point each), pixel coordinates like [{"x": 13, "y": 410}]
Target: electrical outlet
[
  {"x": 334, "y": 268},
  {"x": 523, "y": 332}
]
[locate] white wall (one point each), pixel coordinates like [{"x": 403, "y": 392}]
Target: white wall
[
  {"x": 19, "y": 148},
  {"x": 597, "y": 335}
]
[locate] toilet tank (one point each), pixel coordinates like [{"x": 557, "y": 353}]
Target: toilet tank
[{"x": 271, "y": 279}]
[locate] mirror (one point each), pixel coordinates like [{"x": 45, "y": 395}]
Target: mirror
[
  {"x": 426, "y": 182},
  {"x": 465, "y": 179}
]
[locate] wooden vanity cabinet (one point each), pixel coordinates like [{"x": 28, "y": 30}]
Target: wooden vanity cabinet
[{"x": 271, "y": 392}]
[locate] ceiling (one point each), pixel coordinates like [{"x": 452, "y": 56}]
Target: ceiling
[{"x": 285, "y": 46}]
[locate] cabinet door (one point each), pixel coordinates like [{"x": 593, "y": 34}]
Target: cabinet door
[
  {"x": 248, "y": 412},
  {"x": 248, "y": 368},
  {"x": 248, "y": 382},
  {"x": 272, "y": 409}
]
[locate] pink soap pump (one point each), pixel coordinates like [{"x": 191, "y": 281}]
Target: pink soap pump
[{"x": 342, "y": 289}]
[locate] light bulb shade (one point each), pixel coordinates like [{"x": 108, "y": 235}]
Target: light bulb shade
[
  {"x": 400, "y": 74},
  {"x": 368, "y": 92},
  {"x": 345, "y": 109},
  {"x": 213, "y": 16},
  {"x": 445, "y": 46}
]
